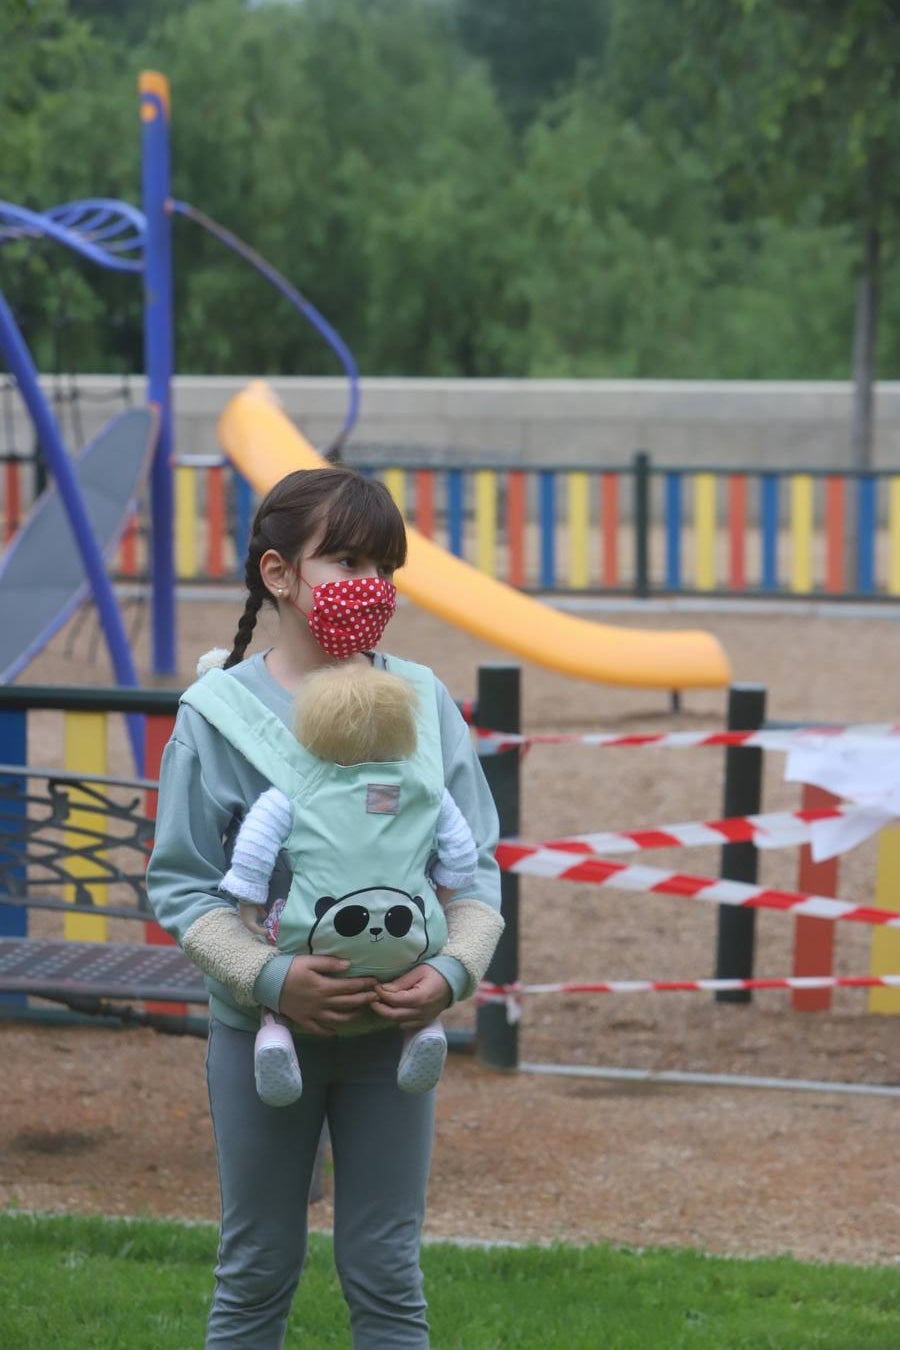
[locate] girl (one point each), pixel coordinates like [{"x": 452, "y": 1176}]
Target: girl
[{"x": 324, "y": 545}]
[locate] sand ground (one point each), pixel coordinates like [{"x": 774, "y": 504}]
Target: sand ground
[{"x": 116, "y": 1122}]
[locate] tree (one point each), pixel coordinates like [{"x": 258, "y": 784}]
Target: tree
[
  {"x": 795, "y": 104},
  {"x": 128, "y": 21},
  {"x": 360, "y": 151},
  {"x": 48, "y": 140},
  {"x": 533, "y": 47},
  {"x": 611, "y": 243}
]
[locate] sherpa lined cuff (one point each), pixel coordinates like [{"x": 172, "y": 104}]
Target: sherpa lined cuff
[
  {"x": 473, "y": 931},
  {"x": 223, "y": 948}
]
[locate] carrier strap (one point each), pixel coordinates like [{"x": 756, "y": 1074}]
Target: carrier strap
[{"x": 267, "y": 744}]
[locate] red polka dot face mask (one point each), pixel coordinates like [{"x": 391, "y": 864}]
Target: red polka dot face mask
[{"x": 350, "y": 616}]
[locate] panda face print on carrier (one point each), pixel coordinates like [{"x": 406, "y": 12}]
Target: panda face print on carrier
[{"x": 379, "y": 929}]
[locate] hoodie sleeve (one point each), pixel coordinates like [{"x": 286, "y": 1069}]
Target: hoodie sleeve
[
  {"x": 465, "y": 781},
  {"x": 185, "y": 871}
]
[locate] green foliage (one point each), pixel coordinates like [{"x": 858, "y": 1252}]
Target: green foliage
[
  {"x": 794, "y": 108},
  {"x": 669, "y": 188},
  {"x": 795, "y": 104},
  {"x": 534, "y": 48},
  {"x": 97, "y": 1284}
]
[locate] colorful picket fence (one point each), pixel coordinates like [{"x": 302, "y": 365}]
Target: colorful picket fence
[{"x": 638, "y": 529}]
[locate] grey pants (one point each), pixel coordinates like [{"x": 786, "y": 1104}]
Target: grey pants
[{"x": 381, "y": 1147}]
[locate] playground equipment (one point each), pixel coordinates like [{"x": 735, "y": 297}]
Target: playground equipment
[
  {"x": 32, "y": 558},
  {"x": 118, "y": 237},
  {"x": 41, "y": 580},
  {"x": 265, "y": 445}
]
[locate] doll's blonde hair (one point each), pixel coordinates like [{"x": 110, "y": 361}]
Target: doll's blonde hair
[{"x": 353, "y": 714}]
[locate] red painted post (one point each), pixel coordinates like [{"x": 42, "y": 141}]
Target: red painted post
[
  {"x": 13, "y": 485},
  {"x": 128, "y": 559},
  {"x": 215, "y": 521},
  {"x": 515, "y": 528},
  {"x": 610, "y": 529},
  {"x": 157, "y": 730},
  {"x": 423, "y": 501},
  {"x": 737, "y": 532},
  {"x": 814, "y": 938},
  {"x": 834, "y": 535}
]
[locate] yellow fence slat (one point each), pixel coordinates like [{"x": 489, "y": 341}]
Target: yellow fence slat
[
  {"x": 186, "y": 522},
  {"x": 893, "y": 568},
  {"x": 486, "y": 521},
  {"x": 886, "y": 941},
  {"x": 705, "y": 530},
  {"x": 801, "y": 528},
  {"x": 395, "y": 482},
  {"x": 85, "y": 751},
  {"x": 579, "y": 528}
]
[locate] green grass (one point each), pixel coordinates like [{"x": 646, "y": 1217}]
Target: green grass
[{"x": 110, "y": 1284}]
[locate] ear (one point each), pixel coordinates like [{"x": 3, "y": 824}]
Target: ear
[
  {"x": 277, "y": 575},
  {"x": 417, "y": 900},
  {"x": 323, "y": 904}
]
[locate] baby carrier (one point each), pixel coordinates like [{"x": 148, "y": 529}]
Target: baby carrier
[{"x": 362, "y": 835}]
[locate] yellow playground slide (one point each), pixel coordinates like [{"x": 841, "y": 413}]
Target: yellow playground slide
[{"x": 264, "y": 445}]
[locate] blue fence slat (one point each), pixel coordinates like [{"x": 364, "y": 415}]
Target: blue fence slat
[
  {"x": 243, "y": 517},
  {"x": 865, "y": 520},
  {"x": 769, "y": 528},
  {"x": 673, "y": 497},
  {"x": 14, "y": 750},
  {"x": 455, "y": 507},
  {"x": 547, "y": 511}
]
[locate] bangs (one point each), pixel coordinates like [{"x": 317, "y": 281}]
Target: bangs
[{"x": 362, "y": 518}]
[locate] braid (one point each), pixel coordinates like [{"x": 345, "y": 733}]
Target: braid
[
  {"x": 246, "y": 625},
  {"x": 256, "y": 595}
]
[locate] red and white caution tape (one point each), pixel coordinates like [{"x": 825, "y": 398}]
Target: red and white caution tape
[
  {"x": 868, "y": 734},
  {"x": 536, "y": 860},
  {"x": 774, "y": 829},
  {"x": 512, "y": 994}
]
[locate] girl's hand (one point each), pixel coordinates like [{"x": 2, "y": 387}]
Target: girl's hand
[
  {"x": 317, "y": 1001},
  {"x": 414, "y": 999}
]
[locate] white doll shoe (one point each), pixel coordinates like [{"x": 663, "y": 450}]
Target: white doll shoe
[
  {"x": 276, "y": 1067},
  {"x": 422, "y": 1060}
]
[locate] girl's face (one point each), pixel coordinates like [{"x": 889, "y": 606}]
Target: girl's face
[{"x": 346, "y": 599}]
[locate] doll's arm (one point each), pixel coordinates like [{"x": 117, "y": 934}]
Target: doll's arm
[
  {"x": 263, "y": 831},
  {"x": 457, "y": 854}
]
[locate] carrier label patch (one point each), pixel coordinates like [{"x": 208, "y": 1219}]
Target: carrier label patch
[{"x": 382, "y": 799}]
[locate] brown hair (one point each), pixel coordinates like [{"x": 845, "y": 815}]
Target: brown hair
[
  {"x": 358, "y": 514},
  {"x": 353, "y": 714}
]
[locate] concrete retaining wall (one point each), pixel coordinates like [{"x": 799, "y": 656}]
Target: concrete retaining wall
[{"x": 553, "y": 422}]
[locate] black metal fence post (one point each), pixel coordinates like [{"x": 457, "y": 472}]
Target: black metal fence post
[
  {"x": 499, "y": 709},
  {"x": 736, "y": 935}
]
